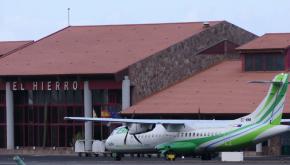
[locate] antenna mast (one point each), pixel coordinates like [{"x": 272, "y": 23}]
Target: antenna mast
[{"x": 68, "y": 16}]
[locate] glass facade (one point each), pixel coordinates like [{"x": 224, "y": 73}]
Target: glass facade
[
  {"x": 264, "y": 62},
  {"x": 39, "y": 116},
  {"x": 106, "y": 103}
]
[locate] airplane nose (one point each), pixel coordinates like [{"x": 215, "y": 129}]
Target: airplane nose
[{"x": 108, "y": 143}]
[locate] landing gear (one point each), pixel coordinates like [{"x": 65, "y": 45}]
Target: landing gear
[
  {"x": 206, "y": 156},
  {"x": 170, "y": 156}
]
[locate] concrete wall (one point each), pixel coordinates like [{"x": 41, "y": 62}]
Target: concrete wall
[{"x": 183, "y": 59}]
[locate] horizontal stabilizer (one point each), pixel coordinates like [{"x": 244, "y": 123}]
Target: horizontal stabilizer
[{"x": 265, "y": 82}]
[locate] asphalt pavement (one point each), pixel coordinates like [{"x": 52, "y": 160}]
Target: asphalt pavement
[{"x": 75, "y": 160}]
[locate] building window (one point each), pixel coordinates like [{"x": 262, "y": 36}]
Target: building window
[{"x": 264, "y": 62}]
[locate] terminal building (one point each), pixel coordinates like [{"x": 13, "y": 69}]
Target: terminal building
[{"x": 171, "y": 70}]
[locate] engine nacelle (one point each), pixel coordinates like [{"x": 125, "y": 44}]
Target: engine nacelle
[{"x": 139, "y": 128}]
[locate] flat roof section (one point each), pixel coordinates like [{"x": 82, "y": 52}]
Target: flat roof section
[
  {"x": 268, "y": 41},
  {"x": 221, "y": 89},
  {"x": 7, "y": 47},
  {"x": 96, "y": 49}
]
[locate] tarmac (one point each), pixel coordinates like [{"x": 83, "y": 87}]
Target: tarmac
[{"x": 75, "y": 160}]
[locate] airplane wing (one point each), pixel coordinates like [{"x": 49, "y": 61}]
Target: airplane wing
[
  {"x": 137, "y": 121},
  {"x": 285, "y": 120}
]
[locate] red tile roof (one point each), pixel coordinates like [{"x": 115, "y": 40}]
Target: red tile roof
[
  {"x": 220, "y": 89},
  {"x": 268, "y": 41},
  {"x": 9, "y": 46},
  {"x": 96, "y": 49}
]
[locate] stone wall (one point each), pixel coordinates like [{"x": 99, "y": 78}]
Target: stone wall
[
  {"x": 274, "y": 146},
  {"x": 183, "y": 59}
]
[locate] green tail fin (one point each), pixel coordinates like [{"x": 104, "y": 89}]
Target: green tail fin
[{"x": 271, "y": 108}]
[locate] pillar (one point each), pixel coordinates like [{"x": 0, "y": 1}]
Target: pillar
[
  {"x": 9, "y": 117},
  {"x": 88, "y": 113},
  {"x": 125, "y": 93},
  {"x": 259, "y": 149}
]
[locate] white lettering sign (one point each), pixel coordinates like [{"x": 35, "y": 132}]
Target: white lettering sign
[
  {"x": 75, "y": 85},
  {"x": 65, "y": 87},
  {"x": 49, "y": 85},
  {"x": 57, "y": 84},
  {"x": 14, "y": 86},
  {"x": 34, "y": 86}
]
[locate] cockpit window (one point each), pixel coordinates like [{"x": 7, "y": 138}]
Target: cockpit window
[{"x": 119, "y": 130}]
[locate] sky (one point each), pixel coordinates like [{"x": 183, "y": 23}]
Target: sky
[{"x": 34, "y": 19}]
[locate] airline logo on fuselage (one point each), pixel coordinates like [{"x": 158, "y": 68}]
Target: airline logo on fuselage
[{"x": 122, "y": 131}]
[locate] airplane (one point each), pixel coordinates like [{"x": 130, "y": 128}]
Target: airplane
[{"x": 200, "y": 137}]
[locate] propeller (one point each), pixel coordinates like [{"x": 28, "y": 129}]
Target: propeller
[
  {"x": 125, "y": 139},
  {"x": 126, "y": 127},
  {"x": 137, "y": 139}
]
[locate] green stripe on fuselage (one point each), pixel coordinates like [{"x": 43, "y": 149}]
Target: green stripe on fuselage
[{"x": 244, "y": 140}]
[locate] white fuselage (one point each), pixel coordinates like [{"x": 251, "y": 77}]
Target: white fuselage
[
  {"x": 192, "y": 130},
  {"x": 160, "y": 135}
]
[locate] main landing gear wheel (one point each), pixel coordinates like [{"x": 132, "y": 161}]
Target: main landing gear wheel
[{"x": 170, "y": 156}]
